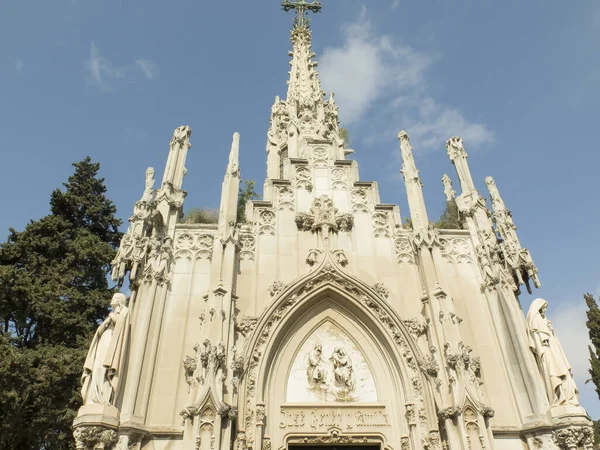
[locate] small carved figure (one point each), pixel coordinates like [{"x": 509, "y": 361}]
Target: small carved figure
[
  {"x": 552, "y": 362},
  {"x": 316, "y": 373},
  {"x": 122, "y": 258},
  {"x": 448, "y": 191},
  {"x": 147, "y": 196},
  {"x": 342, "y": 369},
  {"x": 102, "y": 367}
]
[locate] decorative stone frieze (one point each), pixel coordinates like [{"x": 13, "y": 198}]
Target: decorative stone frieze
[
  {"x": 360, "y": 201},
  {"x": 381, "y": 224},
  {"x": 266, "y": 222},
  {"x": 304, "y": 178},
  {"x": 247, "y": 247},
  {"x": 338, "y": 178},
  {"x": 404, "y": 250},
  {"x": 193, "y": 244},
  {"x": 456, "y": 250},
  {"x": 285, "y": 199}
]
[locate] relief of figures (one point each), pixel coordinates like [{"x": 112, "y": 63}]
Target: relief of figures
[{"x": 330, "y": 368}]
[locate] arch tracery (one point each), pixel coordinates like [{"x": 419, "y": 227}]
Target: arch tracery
[{"x": 370, "y": 309}]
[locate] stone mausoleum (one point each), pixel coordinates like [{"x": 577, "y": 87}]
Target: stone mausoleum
[{"x": 320, "y": 320}]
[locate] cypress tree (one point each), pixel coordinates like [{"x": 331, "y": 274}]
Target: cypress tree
[
  {"x": 593, "y": 324},
  {"x": 53, "y": 293}
]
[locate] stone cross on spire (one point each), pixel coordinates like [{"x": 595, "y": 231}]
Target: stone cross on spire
[{"x": 301, "y": 7}]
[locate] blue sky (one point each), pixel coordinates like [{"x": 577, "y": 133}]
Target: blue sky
[{"x": 519, "y": 81}]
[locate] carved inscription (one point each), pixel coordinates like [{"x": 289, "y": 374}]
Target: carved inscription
[{"x": 323, "y": 419}]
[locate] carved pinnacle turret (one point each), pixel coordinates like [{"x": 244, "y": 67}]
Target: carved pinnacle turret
[
  {"x": 517, "y": 258},
  {"x": 230, "y": 188},
  {"x": 458, "y": 156},
  {"x": 414, "y": 191}
]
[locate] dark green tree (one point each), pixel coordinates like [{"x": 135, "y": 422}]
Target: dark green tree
[
  {"x": 53, "y": 293},
  {"x": 450, "y": 217},
  {"x": 593, "y": 324},
  {"x": 246, "y": 193}
]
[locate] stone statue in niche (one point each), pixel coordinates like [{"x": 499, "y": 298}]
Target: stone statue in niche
[
  {"x": 103, "y": 365},
  {"x": 552, "y": 362},
  {"x": 316, "y": 373}
]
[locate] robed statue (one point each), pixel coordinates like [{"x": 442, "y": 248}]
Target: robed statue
[
  {"x": 316, "y": 373},
  {"x": 104, "y": 363},
  {"x": 552, "y": 362}
]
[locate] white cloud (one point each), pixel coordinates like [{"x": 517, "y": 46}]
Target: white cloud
[
  {"x": 148, "y": 68},
  {"x": 19, "y": 65},
  {"x": 371, "y": 68},
  {"x": 568, "y": 320},
  {"x": 395, "y": 4},
  {"x": 101, "y": 72}
]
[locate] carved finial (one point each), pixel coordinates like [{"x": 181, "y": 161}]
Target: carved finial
[
  {"x": 301, "y": 7},
  {"x": 179, "y": 145},
  {"x": 455, "y": 148},
  {"x": 233, "y": 167},
  {"x": 458, "y": 156},
  {"x": 416, "y": 202},
  {"x": 497, "y": 202},
  {"x": 448, "y": 191}
]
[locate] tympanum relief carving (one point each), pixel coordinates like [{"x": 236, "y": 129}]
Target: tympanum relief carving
[{"x": 329, "y": 367}]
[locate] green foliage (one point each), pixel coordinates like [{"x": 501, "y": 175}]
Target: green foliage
[
  {"x": 596, "y": 432},
  {"x": 53, "y": 292},
  {"x": 201, "y": 215},
  {"x": 245, "y": 194},
  {"x": 593, "y": 324},
  {"x": 450, "y": 218},
  {"x": 345, "y": 136},
  {"x": 407, "y": 225}
]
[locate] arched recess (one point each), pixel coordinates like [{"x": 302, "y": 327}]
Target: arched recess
[{"x": 328, "y": 293}]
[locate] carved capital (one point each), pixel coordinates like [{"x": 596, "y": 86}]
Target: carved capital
[
  {"x": 451, "y": 412},
  {"x": 574, "y": 437},
  {"x": 90, "y": 438}
]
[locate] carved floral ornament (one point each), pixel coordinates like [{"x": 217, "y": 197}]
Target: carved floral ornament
[
  {"x": 328, "y": 273},
  {"x": 323, "y": 214}
]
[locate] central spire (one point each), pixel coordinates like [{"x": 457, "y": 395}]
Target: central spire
[
  {"x": 304, "y": 88},
  {"x": 301, "y": 7}
]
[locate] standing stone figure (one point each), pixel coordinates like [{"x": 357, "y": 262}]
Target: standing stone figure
[
  {"x": 342, "y": 369},
  {"x": 148, "y": 190},
  {"x": 103, "y": 365},
  {"x": 550, "y": 357},
  {"x": 315, "y": 371}
]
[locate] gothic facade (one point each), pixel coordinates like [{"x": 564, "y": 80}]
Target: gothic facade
[{"x": 320, "y": 320}]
